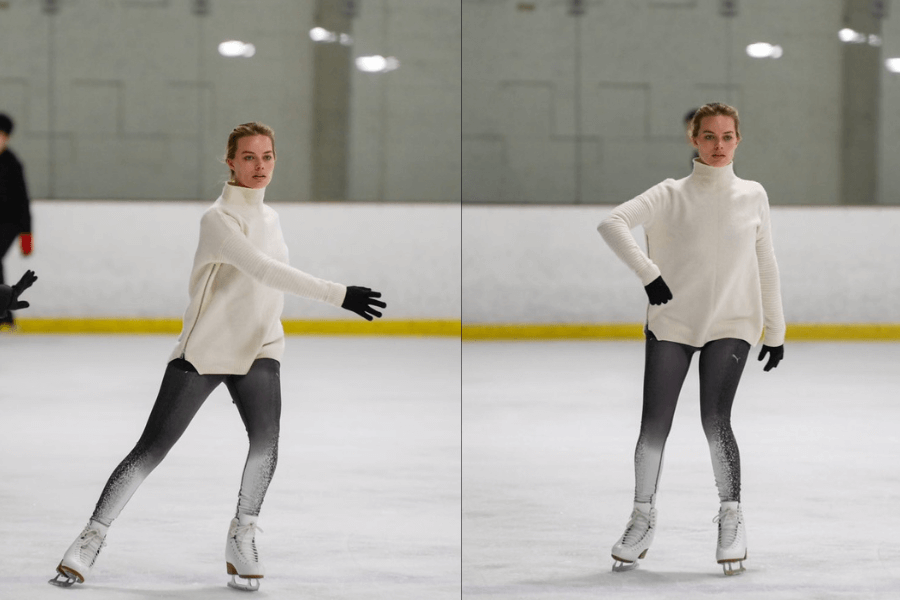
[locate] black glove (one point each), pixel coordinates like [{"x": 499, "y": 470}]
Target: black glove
[
  {"x": 9, "y": 296},
  {"x": 658, "y": 291},
  {"x": 361, "y": 300},
  {"x": 775, "y": 355}
]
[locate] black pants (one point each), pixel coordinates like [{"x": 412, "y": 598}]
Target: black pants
[
  {"x": 8, "y": 235},
  {"x": 666, "y": 366},
  {"x": 257, "y": 396}
]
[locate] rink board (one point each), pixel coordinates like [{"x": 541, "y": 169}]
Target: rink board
[{"x": 821, "y": 332}]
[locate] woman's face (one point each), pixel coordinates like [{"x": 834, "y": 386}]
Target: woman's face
[
  {"x": 253, "y": 162},
  {"x": 717, "y": 140}
]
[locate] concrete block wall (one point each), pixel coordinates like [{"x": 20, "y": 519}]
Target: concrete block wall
[
  {"x": 589, "y": 110},
  {"x": 130, "y": 99},
  {"x": 405, "y": 124},
  {"x": 889, "y": 143}
]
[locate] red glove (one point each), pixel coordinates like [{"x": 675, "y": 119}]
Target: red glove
[{"x": 27, "y": 243}]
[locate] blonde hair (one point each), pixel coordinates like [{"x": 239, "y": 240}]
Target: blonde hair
[
  {"x": 246, "y": 130},
  {"x": 712, "y": 110}
]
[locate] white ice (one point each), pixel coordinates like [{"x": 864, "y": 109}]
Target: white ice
[
  {"x": 548, "y": 441},
  {"x": 365, "y": 502}
]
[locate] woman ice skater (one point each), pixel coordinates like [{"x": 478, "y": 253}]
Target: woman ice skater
[
  {"x": 232, "y": 334},
  {"x": 712, "y": 281}
]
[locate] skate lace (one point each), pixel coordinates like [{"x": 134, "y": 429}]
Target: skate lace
[
  {"x": 636, "y": 529},
  {"x": 91, "y": 544},
  {"x": 245, "y": 539},
  {"x": 728, "y": 520}
]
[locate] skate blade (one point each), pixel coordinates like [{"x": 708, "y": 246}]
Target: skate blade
[
  {"x": 252, "y": 585},
  {"x": 252, "y": 581},
  {"x": 71, "y": 577},
  {"x": 728, "y": 566},
  {"x": 68, "y": 582},
  {"x": 621, "y": 566}
]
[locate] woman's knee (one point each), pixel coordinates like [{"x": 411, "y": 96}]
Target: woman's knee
[
  {"x": 654, "y": 434},
  {"x": 143, "y": 458},
  {"x": 717, "y": 426},
  {"x": 266, "y": 435}
]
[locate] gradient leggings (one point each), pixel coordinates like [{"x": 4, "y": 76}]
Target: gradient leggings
[
  {"x": 666, "y": 366},
  {"x": 257, "y": 396}
]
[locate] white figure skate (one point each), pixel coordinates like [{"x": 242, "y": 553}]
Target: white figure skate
[
  {"x": 241, "y": 555},
  {"x": 637, "y": 538},
  {"x": 79, "y": 559},
  {"x": 731, "y": 551}
]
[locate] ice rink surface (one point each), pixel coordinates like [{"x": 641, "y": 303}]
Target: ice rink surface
[
  {"x": 549, "y": 431},
  {"x": 365, "y": 502}
]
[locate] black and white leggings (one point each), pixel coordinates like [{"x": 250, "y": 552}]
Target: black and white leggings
[
  {"x": 666, "y": 366},
  {"x": 257, "y": 396}
]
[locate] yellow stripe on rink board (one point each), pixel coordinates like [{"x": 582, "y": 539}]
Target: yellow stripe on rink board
[
  {"x": 378, "y": 327},
  {"x": 173, "y": 327},
  {"x": 851, "y": 332},
  {"x": 95, "y": 326},
  {"x": 848, "y": 332},
  {"x": 796, "y": 332}
]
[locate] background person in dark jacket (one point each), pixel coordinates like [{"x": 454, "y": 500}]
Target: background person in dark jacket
[{"x": 15, "y": 215}]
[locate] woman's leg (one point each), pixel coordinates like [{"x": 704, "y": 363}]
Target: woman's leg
[
  {"x": 8, "y": 234},
  {"x": 721, "y": 365},
  {"x": 181, "y": 395},
  {"x": 666, "y": 366},
  {"x": 257, "y": 396}
]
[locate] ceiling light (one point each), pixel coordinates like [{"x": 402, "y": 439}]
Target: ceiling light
[
  {"x": 850, "y": 36},
  {"x": 764, "y": 50},
  {"x": 377, "y": 64},
  {"x": 235, "y": 48},
  {"x": 320, "y": 34}
]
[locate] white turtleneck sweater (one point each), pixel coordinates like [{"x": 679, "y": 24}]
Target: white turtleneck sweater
[
  {"x": 709, "y": 235},
  {"x": 237, "y": 286}
]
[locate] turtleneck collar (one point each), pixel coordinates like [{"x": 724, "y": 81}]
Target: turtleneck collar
[
  {"x": 243, "y": 196},
  {"x": 714, "y": 174}
]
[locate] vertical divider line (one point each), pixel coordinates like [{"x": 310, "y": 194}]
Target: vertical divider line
[
  {"x": 51, "y": 104},
  {"x": 577, "y": 111},
  {"x": 385, "y": 114},
  {"x": 201, "y": 116}
]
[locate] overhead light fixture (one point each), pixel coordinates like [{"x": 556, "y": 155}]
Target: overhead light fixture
[
  {"x": 764, "y": 50},
  {"x": 377, "y": 64},
  {"x": 320, "y": 35},
  {"x": 235, "y": 48},
  {"x": 893, "y": 65},
  {"x": 851, "y": 36}
]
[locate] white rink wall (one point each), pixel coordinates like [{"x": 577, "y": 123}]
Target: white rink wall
[
  {"x": 133, "y": 259},
  {"x": 540, "y": 264}
]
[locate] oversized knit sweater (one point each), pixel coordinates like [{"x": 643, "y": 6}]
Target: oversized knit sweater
[
  {"x": 237, "y": 286},
  {"x": 709, "y": 236}
]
